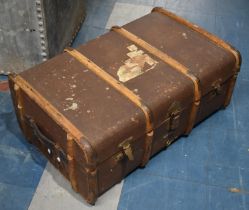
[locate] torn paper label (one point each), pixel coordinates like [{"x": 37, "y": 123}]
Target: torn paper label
[{"x": 135, "y": 64}]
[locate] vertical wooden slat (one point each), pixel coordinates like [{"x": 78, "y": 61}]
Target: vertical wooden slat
[
  {"x": 71, "y": 162},
  {"x": 20, "y": 108}
]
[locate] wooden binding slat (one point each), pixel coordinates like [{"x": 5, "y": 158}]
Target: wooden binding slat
[
  {"x": 71, "y": 162},
  {"x": 173, "y": 63},
  {"x": 124, "y": 91},
  {"x": 19, "y": 108},
  {"x": 216, "y": 40}
]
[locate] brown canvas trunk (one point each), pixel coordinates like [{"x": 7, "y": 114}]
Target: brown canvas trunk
[{"x": 102, "y": 110}]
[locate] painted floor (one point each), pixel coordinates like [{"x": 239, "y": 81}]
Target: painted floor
[{"x": 201, "y": 171}]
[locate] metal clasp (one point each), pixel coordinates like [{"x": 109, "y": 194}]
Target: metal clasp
[
  {"x": 217, "y": 87},
  {"x": 126, "y": 146},
  {"x": 168, "y": 139},
  {"x": 173, "y": 116}
]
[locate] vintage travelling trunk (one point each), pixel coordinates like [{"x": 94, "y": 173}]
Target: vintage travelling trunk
[
  {"x": 99, "y": 111},
  {"x": 31, "y": 31}
]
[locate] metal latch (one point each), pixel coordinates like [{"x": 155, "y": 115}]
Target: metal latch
[
  {"x": 217, "y": 87},
  {"x": 168, "y": 139},
  {"x": 173, "y": 116},
  {"x": 126, "y": 146}
]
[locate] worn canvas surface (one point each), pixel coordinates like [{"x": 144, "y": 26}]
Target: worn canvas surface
[{"x": 209, "y": 169}]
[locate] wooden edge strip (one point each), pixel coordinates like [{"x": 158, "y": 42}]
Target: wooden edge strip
[
  {"x": 120, "y": 88},
  {"x": 173, "y": 63},
  {"x": 71, "y": 130},
  {"x": 215, "y": 40},
  {"x": 202, "y": 31},
  {"x": 71, "y": 162},
  {"x": 147, "y": 148},
  {"x": 19, "y": 107},
  {"x": 92, "y": 180},
  {"x": 196, "y": 103},
  {"x": 230, "y": 90}
]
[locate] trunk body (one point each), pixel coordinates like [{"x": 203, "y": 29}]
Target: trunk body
[{"x": 102, "y": 110}]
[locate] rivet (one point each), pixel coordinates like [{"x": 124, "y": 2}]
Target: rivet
[
  {"x": 16, "y": 87},
  {"x": 49, "y": 151},
  {"x": 44, "y": 54},
  {"x": 58, "y": 159}
]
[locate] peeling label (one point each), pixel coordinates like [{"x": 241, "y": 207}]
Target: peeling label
[
  {"x": 184, "y": 35},
  {"x": 136, "y": 64},
  {"x": 74, "y": 106}
]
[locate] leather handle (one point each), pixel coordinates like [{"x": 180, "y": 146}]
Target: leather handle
[
  {"x": 38, "y": 133},
  {"x": 61, "y": 157}
]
